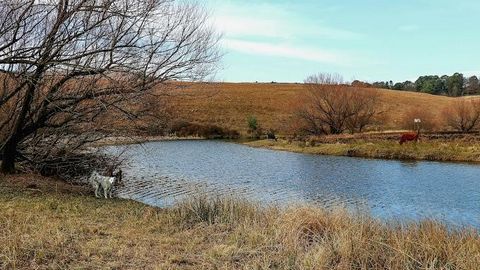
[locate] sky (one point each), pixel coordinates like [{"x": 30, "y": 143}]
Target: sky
[{"x": 368, "y": 40}]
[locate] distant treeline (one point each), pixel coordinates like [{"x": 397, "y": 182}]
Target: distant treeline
[{"x": 454, "y": 85}]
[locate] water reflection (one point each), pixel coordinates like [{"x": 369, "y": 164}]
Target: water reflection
[
  {"x": 409, "y": 163},
  {"x": 160, "y": 173}
]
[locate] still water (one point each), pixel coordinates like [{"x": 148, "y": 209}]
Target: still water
[{"x": 161, "y": 173}]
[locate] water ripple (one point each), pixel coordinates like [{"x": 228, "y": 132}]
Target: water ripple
[{"x": 161, "y": 173}]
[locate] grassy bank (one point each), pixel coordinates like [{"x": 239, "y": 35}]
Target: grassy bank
[
  {"x": 429, "y": 150},
  {"x": 48, "y": 225}
]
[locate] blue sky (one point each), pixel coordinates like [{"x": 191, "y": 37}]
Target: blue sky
[{"x": 287, "y": 40}]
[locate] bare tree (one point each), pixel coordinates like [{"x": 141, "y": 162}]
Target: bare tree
[
  {"x": 331, "y": 107},
  {"x": 65, "y": 62},
  {"x": 363, "y": 109},
  {"x": 463, "y": 115}
]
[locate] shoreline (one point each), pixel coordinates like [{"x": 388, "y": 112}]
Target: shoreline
[
  {"x": 126, "y": 140},
  {"x": 438, "y": 151},
  {"x": 454, "y": 152}
]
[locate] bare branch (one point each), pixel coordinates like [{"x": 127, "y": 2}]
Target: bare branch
[
  {"x": 65, "y": 63},
  {"x": 331, "y": 107}
]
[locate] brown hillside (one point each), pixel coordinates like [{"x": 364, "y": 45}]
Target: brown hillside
[{"x": 229, "y": 104}]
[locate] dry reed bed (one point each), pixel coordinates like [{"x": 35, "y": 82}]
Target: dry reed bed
[{"x": 46, "y": 229}]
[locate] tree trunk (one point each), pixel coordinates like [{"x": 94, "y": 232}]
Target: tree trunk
[
  {"x": 9, "y": 156},
  {"x": 10, "y": 147}
]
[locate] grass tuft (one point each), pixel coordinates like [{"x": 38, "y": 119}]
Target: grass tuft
[{"x": 213, "y": 210}]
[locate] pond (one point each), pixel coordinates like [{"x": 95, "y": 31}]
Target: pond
[{"x": 161, "y": 173}]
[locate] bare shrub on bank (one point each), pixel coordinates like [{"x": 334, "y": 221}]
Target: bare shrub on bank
[
  {"x": 64, "y": 155},
  {"x": 463, "y": 115},
  {"x": 428, "y": 121},
  {"x": 65, "y": 63},
  {"x": 363, "y": 109},
  {"x": 331, "y": 107}
]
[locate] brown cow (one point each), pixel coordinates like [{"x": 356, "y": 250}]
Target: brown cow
[{"x": 411, "y": 136}]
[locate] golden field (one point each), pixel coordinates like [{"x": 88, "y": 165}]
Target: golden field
[
  {"x": 274, "y": 104},
  {"x": 46, "y": 224}
]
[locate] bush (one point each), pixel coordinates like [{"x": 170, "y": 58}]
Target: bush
[
  {"x": 252, "y": 123},
  {"x": 254, "y": 128},
  {"x": 185, "y": 129},
  {"x": 74, "y": 167},
  {"x": 463, "y": 115},
  {"x": 429, "y": 122},
  {"x": 69, "y": 159},
  {"x": 331, "y": 107},
  {"x": 271, "y": 134}
]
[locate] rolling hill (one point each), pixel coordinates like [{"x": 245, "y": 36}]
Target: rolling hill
[{"x": 229, "y": 104}]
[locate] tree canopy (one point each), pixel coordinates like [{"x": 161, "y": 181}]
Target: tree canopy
[{"x": 454, "y": 85}]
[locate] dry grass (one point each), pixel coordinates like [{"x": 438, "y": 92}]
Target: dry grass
[
  {"x": 434, "y": 150},
  {"x": 59, "y": 228},
  {"x": 229, "y": 104}
]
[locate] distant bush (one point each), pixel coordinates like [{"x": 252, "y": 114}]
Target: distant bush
[
  {"x": 185, "y": 129},
  {"x": 463, "y": 115},
  {"x": 252, "y": 123},
  {"x": 328, "y": 106},
  {"x": 271, "y": 134},
  {"x": 429, "y": 122},
  {"x": 254, "y": 128}
]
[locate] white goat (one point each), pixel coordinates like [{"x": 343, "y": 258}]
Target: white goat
[{"x": 105, "y": 182}]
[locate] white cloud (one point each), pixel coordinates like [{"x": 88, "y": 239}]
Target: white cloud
[
  {"x": 240, "y": 26},
  {"x": 273, "y": 21},
  {"x": 288, "y": 51},
  {"x": 275, "y": 29}
]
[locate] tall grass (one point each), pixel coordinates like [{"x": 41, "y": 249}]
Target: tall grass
[
  {"x": 49, "y": 230},
  {"x": 314, "y": 238},
  {"x": 214, "y": 210}
]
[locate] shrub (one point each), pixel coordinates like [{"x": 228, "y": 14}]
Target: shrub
[
  {"x": 252, "y": 123},
  {"x": 271, "y": 134},
  {"x": 68, "y": 157},
  {"x": 254, "y": 128},
  {"x": 331, "y": 107},
  {"x": 185, "y": 129},
  {"x": 429, "y": 122},
  {"x": 463, "y": 115}
]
